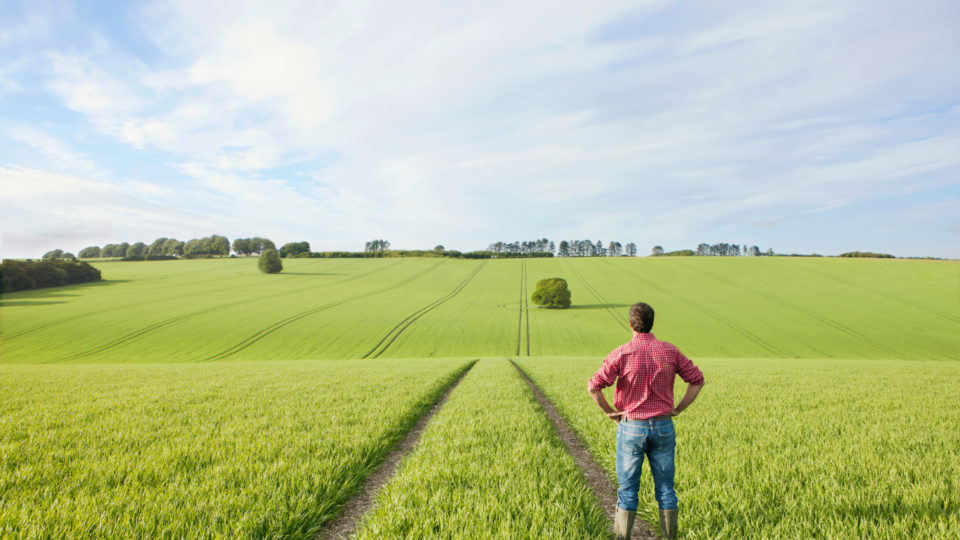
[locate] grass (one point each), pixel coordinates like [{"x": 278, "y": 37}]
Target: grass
[
  {"x": 233, "y": 450},
  {"x": 211, "y": 310},
  {"x": 798, "y": 448},
  {"x": 489, "y": 465},
  {"x": 175, "y": 402}
]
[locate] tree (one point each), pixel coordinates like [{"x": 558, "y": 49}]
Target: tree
[
  {"x": 376, "y": 247},
  {"x": 269, "y": 262},
  {"x": 564, "y": 249},
  {"x": 439, "y": 248},
  {"x": 292, "y": 249},
  {"x": 552, "y": 293},
  {"x": 657, "y": 251},
  {"x": 631, "y": 250},
  {"x": 242, "y": 246},
  {"x": 53, "y": 254},
  {"x": 138, "y": 250},
  {"x": 156, "y": 248},
  {"x": 219, "y": 245},
  {"x": 91, "y": 252}
]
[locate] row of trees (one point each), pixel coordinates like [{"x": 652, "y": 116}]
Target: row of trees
[
  {"x": 377, "y": 246},
  {"x": 25, "y": 275},
  {"x": 209, "y": 246},
  {"x": 295, "y": 249},
  {"x": 530, "y": 247},
  {"x": 724, "y": 249},
  {"x": 588, "y": 248},
  {"x": 252, "y": 246}
]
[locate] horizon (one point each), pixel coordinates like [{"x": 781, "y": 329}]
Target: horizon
[{"x": 817, "y": 128}]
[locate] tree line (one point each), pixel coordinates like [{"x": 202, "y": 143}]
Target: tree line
[
  {"x": 544, "y": 247},
  {"x": 169, "y": 248},
  {"x": 25, "y": 275}
]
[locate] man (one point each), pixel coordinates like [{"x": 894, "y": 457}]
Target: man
[{"x": 644, "y": 370}]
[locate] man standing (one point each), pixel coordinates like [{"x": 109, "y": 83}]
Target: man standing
[{"x": 644, "y": 370}]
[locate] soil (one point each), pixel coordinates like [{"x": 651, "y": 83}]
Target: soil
[
  {"x": 603, "y": 488},
  {"x": 343, "y": 525}
]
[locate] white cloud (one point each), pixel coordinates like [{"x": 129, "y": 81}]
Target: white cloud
[{"x": 492, "y": 119}]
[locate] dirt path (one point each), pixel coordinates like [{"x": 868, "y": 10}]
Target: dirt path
[
  {"x": 603, "y": 489},
  {"x": 343, "y": 525}
]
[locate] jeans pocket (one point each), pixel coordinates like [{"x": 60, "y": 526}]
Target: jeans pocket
[{"x": 635, "y": 445}]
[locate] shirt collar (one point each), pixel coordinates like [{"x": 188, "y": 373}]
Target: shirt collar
[{"x": 643, "y": 337}]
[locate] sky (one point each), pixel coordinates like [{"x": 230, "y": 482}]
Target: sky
[{"x": 814, "y": 126}]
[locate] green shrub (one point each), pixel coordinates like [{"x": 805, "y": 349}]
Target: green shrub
[
  {"x": 552, "y": 293},
  {"x": 269, "y": 262}
]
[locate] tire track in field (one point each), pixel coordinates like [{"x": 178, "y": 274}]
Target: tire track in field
[
  {"x": 391, "y": 336},
  {"x": 806, "y": 312},
  {"x": 596, "y": 294},
  {"x": 885, "y": 294},
  {"x": 178, "y": 318},
  {"x": 526, "y": 304},
  {"x": 343, "y": 525},
  {"x": 755, "y": 339},
  {"x": 595, "y": 477},
  {"x": 180, "y": 297},
  {"x": 524, "y": 309},
  {"x": 306, "y": 313}
]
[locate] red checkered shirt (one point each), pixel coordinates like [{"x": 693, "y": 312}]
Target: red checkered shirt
[{"x": 644, "y": 371}]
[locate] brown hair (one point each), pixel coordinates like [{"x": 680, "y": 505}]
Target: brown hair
[{"x": 641, "y": 317}]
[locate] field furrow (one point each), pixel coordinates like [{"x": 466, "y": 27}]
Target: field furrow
[
  {"x": 220, "y": 450},
  {"x": 395, "y": 332},
  {"x": 796, "y": 448},
  {"x": 489, "y": 465}
]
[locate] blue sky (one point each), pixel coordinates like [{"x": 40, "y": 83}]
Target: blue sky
[{"x": 803, "y": 126}]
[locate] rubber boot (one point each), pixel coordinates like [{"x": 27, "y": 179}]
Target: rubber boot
[
  {"x": 668, "y": 524},
  {"x": 622, "y": 523}
]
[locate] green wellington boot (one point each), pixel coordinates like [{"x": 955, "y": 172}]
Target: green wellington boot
[
  {"x": 668, "y": 524},
  {"x": 622, "y": 523}
]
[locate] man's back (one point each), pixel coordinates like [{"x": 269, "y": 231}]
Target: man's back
[{"x": 644, "y": 370}]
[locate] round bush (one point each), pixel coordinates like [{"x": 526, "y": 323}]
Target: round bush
[
  {"x": 552, "y": 293},
  {"x": 269, "y": 262}
]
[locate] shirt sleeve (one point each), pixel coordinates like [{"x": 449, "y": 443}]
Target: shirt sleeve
[
  {"x": 608, "y": 372},
  {"x": 687, "y": 371}
]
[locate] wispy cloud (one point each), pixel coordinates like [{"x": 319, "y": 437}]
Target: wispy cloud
[{"x": 337, "y": 122}]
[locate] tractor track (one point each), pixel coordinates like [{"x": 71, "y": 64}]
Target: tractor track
[
  {"x": 597, "y": 480},
  {"x": 524, "y": 310},
  {"x": 264, "y": 332},
  {"x": 755, "y": 339},
  {"x": 363, "y": 501},
  {"x": 596, "y": 294},
  {"x": 387, "y": 340},
  {"x": 173, "y": 320},
  {"x": 181, "y": 297},
  {"x": 806, "y": 312},
  {"x": 885, "y": 294}
]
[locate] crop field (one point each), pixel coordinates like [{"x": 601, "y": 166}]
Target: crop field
[
  {"x": 181, "y": 450},
  {"x": 203, "y": 398},
  {"x": 478, "y": 469},
  {"x": 798, "y": 448},
  {"x": 213, "y": 310}
]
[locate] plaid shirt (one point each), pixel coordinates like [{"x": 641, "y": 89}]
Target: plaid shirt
[{"x": 644, "y": 371}]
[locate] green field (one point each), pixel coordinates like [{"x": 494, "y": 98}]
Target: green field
[
  {"x": 203, "y": 398},
  {"x": 212, "y": 310}
]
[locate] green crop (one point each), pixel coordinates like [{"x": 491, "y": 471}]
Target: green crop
[
  {"x": 798, "y": 448},
  {"x": 489, "y": 465},
  {"x": 225, "y": 450},
  {"x": 760, "y": 307},
  {"x": 832, "y": 412}
]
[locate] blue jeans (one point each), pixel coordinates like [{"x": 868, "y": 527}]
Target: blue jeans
[{"x": 656, "y": 440}]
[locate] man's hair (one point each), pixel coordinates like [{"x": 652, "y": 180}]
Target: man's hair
[{"x": 641, "y": 317}]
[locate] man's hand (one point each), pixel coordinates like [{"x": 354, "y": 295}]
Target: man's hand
[
  {"x": 615, "y": 415},
  {"x": 675, "y": 412}
]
